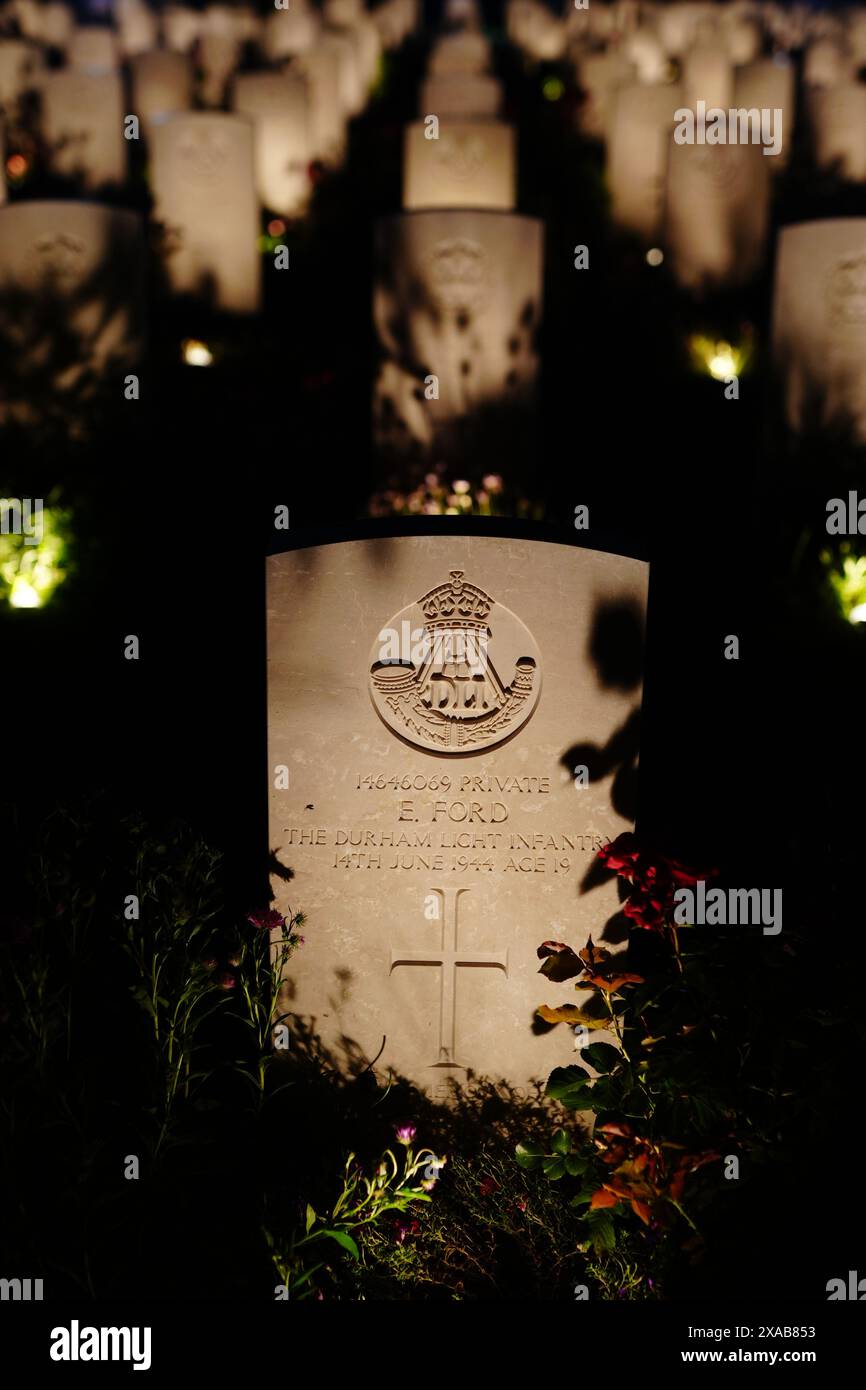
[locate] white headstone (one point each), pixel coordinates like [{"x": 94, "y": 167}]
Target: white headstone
[
  {"x": 58, "y": 24},
  {"x": 458, "y": 55},
  {"x": 277, "y": 104},
  {"x": 345, "y": 46},
  {"x": 427, "y": 821},
  {"x": 181, "y": 27},
  {"x": 20, "y": 67},
  {"x": 339, "y": 12},
  {"x": 369, "y": 50},
  {"x": 137, "y": 25},
  {"x": 289, "y": 32},
  {"x": 637, "y": 156},
  {"x": 161, "y": 84},
  {"x": 91, "y": 47},
  {"x": 678, "y": 25},
  {"x": 600, "y": 75},
  {"x": 819, "y": 324},
  {"x": 461, "y": 98},
  {"x": 82, "y": 122},
  {"x": 857, "y": 36},
  {"x": 470, "y": 165},
  {"x": 768, "y": 85},
  {"x": 28, "y": 15},
  {"x": 708, "y": 76},
  {"x": 717, "y": 213},
  {"x": 742, "y": 38},
  {"x": 827, "y": 63},
  {"x": 87, "y": 264},
  {"x": 218, "y": 54},
  {"x": 644, "y": 50},
  {"x": 321, "y": 68},
  {"x": 202, "y": 176},
  {"x": 457, "y": 296},
  {"x": 838, "y": 119}
]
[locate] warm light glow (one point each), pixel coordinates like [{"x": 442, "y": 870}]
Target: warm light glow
[
  {"x": 847, "y": 575},
  {"x": 654, "y": 256},
  {"x": 722, "y": 365},
  {"x": 196, "y": 354},
  {"x": 16, "y": 167},
  {"x": 720, "y": 359},
  {"x": 276, "y": 227},
  {"x": 553, "y": 88},
  {"x": 31, "y": 565},
  {"x": 23, "y": 595}
]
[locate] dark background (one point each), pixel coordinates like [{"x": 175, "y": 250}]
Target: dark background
[{"x": 754, "y": 765}]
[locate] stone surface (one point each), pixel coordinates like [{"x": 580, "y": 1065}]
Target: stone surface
[
  {"x": 458, "y": 296},
  {"x": 278, "y": 105},
  {"x": 82, "y": 122},
  {"x": 431, "y": 817},
  {"x": 161, "y": 85},
  {"x": 637, "y": 155},
  {"x": 71, "y": 295},
  {"x": 469, "y": 97},
  {"x": 838, "y": 119},
  {"x": 769, "y": 84},
  {"x": 819, "y": 324},
  {"x": 202, "y": 168},
  {"x": 20, "y": 68},
  {"x": 470, "y": 165},
  {"x": 716, "y": 213}
]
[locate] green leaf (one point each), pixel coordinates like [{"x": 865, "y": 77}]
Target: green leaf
[
  {"x": 584, "y": 1195},
  {"x": 574, "y": 1165},
  {"x": 554, "y": 1167},
  {"x": 564, "y": 1079},
  {"x": 344, "y": 1239},
  {"x": 602, "y": 1232},
  {"x": 561, "y": 1142},
  {"x": 569, "y": 1085},
  {"x": 602, "y": 1056},
  {"x": 529, "y": 1155},
  {"x": 311, "y": 1216}
]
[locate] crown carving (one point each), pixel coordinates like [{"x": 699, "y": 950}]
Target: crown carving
[{"x": 456, "y": 600}]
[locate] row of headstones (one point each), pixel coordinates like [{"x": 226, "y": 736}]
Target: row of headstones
[
  {"x": 706, "y": 204},
  {"x": 468, "y": 339},
  {"x": 457, "y": 292},
  {"x": 87, "y": 262},
  {"x": 298, "y": 110},
  {"x": 458, "y": 283}
]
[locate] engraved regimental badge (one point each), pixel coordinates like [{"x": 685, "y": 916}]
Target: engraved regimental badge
[{"x": 439, "y": 670}]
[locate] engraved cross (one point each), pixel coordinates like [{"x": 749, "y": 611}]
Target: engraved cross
[{"x": 449, "y": 957}]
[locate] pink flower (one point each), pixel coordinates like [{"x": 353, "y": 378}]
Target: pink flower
[
  {"x": 405, "y": 1134},
  {"x": 403, "y": 1230},
  {"x": 226, "y": 980},
  {"x": 266, "y": 919}
]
